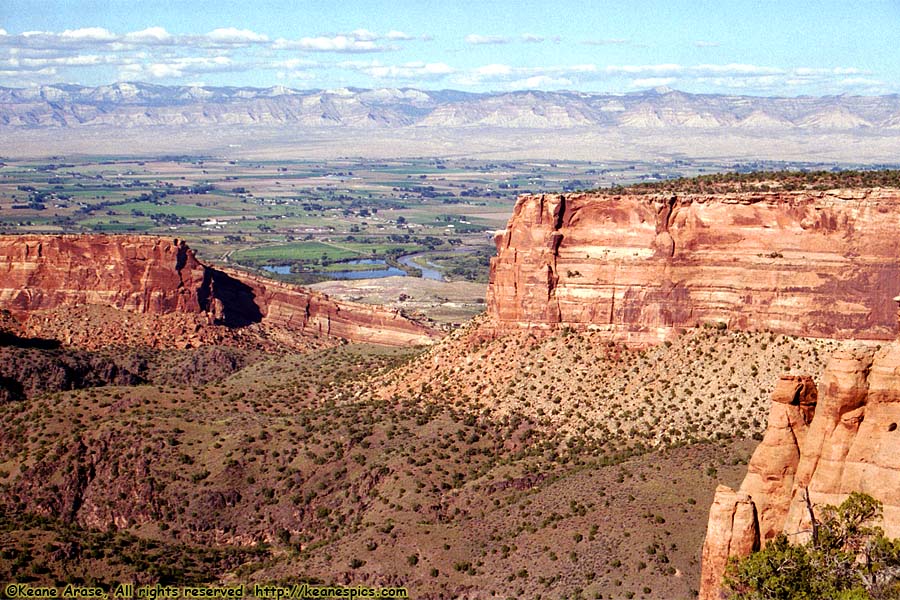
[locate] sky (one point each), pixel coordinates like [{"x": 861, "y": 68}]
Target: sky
[{"x": 762, "y": 47}]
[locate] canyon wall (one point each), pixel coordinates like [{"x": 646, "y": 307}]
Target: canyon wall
[
  {"x": 807, "y": 263},
  {"x": 159, "y": 276},
  {"x": 819, "y": 447}
]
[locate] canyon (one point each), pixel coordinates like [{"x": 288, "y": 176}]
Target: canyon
[
  {"x": 640, "y": 265},
  {"x": 566, "y": 370},
  {"x": 163, "y": 279}
]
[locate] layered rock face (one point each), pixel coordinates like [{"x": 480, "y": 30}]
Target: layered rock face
[
  {"x": 156, "y": 276},
  {"x": 138, "y": 274},
  {"x": 809, "y": 263},
  {"x": 802, "y": 464}
]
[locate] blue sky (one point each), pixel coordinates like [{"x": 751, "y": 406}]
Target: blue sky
[{"x": 761, "y": 48}]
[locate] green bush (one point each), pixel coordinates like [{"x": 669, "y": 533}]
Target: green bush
[{"x": 848, "y": 559}]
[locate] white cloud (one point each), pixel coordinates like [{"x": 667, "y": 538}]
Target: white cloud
[
  {"x": 585, "y": 68},
  {"x": 737, "y": 69},
  {"x": 740, "y": 76},
  {"x": 706, "y": 44},
  {"x": 179, "y": 67},
  {"x": 725, "y": 70},
  {"x": 88, "y": 53},
  {"x": 82, "y": 60},
  {"x": 155, "y": 53},
  {"x": 806, "y": 71},
  {"x": 50, "y": 71},
  {"x": 847, "y": 71},
  {"x": 854, "y": 81},
  {"x": 520, "y": 77},
  {"x": 660, "y": 69},
  {"x": 233, "y": 35},
  {"x": 94, "y": 34},
  {"x": 98, "y": 36},
  {"x": 762, "y": 82},
  {"x": 294, "y": 63},
  {"x": 541, "y": 82},
  {"x": 398, "y": 36},
  {"x": 163, "y": 71},
  {"x": 338, "y": 43},
  {"x": 358, "y": 40},
  {"x": 406, "y": 71},
  {"x": 476, "y": 39},
  {"x": 151, "y": 35},
  {"x": 295, "y": 75},
  {"x": 412, "y": 70},
  {"x": 728, "y": 76},
  {"x": 65, "y": 61}
]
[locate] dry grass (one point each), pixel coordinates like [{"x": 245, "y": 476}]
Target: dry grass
[{"x": 706, "y": 384}]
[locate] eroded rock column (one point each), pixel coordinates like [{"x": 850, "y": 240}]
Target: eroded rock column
[
  {"x": 771, "y": 470},
  {"x": 732, "y": 531},
  {"x": 823, "y": 459},
  {"x": 740, "y": 522}
]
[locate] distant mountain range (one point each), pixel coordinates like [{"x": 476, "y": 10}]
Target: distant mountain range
[{"x": 140, "y": 104}]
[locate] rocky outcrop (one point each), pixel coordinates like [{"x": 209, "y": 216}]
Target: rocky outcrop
[
  {"x": 771, "y": 471},
  {"x": 133, "y": 273},
  {"x": 802, "y": 464},
  {"x": 639, "y": 266},
  {"x": 156, "y": 276},
  {"x": 733, "y": 530},
  {"x": 765, "y": 494},
  {"x": 289, "y": 308}
]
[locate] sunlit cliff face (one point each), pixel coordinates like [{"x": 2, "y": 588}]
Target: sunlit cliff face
[{"x": 808, "y": 263}]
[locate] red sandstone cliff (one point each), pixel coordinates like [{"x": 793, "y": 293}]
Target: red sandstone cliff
[
  {"x": 848, "y": 445},
  {"x": 810, "y": 263},
  {"x": 157, "y": 276}
]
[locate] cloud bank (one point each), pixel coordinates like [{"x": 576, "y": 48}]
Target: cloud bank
[{"x": 96, "y": 55}]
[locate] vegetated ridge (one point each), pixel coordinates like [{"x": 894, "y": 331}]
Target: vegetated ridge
[{"x": 768, "y": 181}]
